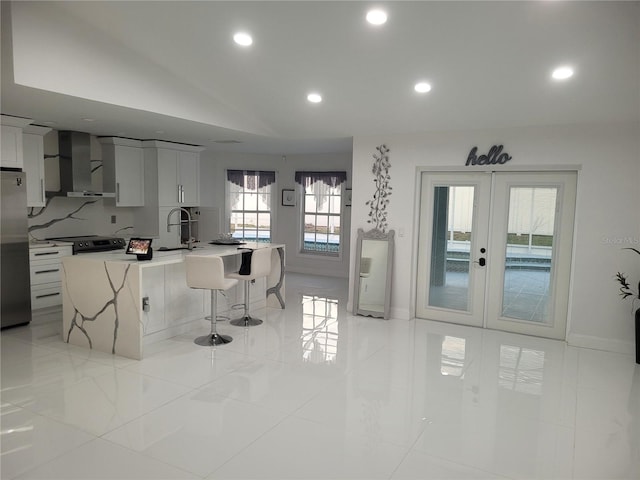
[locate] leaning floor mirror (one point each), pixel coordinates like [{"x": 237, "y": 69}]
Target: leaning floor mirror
[{"x": 372, "y": 276}]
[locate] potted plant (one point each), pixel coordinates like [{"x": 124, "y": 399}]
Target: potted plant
[{"x": 626, "y": 291}]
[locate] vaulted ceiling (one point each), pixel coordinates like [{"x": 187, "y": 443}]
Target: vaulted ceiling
[{"x": 171, "y": 71}]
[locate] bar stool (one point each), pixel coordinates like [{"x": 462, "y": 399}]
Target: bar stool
[
  {"x": 207, "y": 272},
  {"x": 260, "y": 267}
]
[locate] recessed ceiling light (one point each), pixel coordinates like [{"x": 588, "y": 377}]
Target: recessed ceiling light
[
  {"x": 376, "y": 17},
  {"x": 562, "y": 73},
  {"x": 243, "y": 38},
  {"x": 422, "y": 87},
  {"x": 89, "y": 119},
  {"x": 314, "y": 97}
]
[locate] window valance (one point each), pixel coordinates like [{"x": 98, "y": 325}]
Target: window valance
[
  {"x": 264, "y": 178},
  {"x": 332, "y": 179}
]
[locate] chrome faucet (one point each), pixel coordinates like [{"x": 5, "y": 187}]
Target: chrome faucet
[{"x": 188, "y": 221}]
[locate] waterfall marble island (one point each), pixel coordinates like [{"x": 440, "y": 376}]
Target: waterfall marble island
[{"x": 115, "y": 303}]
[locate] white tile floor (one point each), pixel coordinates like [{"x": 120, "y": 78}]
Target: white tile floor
[{"x": 317, "y": 393}]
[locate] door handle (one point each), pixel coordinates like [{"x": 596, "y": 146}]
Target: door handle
[{"x": 482, "y": 261}]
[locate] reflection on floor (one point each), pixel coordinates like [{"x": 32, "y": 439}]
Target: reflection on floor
[{"x": 317, "y": 393}]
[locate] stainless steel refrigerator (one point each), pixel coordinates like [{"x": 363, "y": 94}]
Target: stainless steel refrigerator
[{"x": 15, "y": 287}]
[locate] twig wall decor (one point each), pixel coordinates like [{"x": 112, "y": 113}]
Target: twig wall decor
[{"x": 380, "y": 170}]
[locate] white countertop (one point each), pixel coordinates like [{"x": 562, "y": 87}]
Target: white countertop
[
  {"x": 172, "y": 256},
  {"x": 48, "y": 243}
]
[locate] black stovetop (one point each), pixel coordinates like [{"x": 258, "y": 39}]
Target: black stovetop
[{"x": 92, "y": 243}]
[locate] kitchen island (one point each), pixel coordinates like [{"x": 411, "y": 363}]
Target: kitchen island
[{"x": 115, "y": 303}]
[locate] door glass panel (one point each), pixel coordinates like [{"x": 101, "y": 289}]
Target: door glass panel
[
  {"x": 529, "y": 253},
  {"x": 451, "y": 246}
]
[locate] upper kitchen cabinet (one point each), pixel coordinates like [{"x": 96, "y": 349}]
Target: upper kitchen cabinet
[
  {"x": 178, "y": 182},
  {"x": 123, "y": 170},
  {"x": 178, "y": 168},
  {"x": 33, "y": 154},
  {"x": 12, "y": 155}
]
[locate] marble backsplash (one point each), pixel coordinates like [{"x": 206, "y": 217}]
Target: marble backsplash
[{"x": 65, "y": 217}]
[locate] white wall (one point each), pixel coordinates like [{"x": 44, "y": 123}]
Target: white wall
[
  {"x": 286, "y": 221},
  {"x": 607, "y": 210}
]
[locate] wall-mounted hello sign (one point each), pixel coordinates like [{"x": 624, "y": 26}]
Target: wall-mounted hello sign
[{"x": 494, "y": 157}]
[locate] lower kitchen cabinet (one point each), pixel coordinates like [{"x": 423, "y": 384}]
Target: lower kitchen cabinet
[{"x": 45, "y": 265}]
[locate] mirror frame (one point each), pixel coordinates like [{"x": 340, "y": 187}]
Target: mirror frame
[{"x": 378, "y": 235}]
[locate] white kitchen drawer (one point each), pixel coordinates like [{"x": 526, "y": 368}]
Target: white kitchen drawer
[
  {"x": 49, "y": 253},
  {"x": 46, "y": 296},
  {"x": 45, "y": 273}
]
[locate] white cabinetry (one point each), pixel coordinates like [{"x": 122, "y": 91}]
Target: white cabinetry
[
  {"x": 11, "y": 153},
  {"x": 45, "y": 265},
  {"x": 33, "y": 153},
  {"x": 171, "y": 302},
  {"x": 178, "y": 178},
  {"x": 172, "y": 179},
  {"x": 123, "y": 170}
]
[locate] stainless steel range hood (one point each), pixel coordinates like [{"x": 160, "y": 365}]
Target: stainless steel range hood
[{"x": 75, "y": 166}]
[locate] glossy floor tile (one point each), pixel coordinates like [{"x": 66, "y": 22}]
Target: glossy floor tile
[{"x": 315, "y": 392}]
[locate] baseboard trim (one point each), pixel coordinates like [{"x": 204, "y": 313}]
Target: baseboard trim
[{"x": 598, "y": 343}]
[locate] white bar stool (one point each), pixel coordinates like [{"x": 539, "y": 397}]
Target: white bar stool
[
  {"x": 260, "y": 267},
  {"x": 207, "y": 272}
]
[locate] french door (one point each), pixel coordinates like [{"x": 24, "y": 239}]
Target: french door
[{"x": 495, "y": 250}]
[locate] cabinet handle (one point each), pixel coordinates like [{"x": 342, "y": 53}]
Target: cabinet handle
[
  {"x": 45, "y": 253},
  {"x": 48, "y": 295},
  {"x": 118, "y": 192},
  {"x": 47, "y": 271},
  {"x": 42, "y": 189},
  {"x": 182, "y": 190},
  {"x": 178, "y": 187}
]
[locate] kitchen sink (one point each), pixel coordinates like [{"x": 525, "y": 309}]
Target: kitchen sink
[{"x": 171, "y": 249}]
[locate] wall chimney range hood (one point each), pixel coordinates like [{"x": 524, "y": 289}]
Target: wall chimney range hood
[{"x": 75, "y": 166}]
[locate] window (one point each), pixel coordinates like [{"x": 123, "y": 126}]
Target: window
[
  {"x": 321, "y": 211},
  {"x": 250, "y": 204}
]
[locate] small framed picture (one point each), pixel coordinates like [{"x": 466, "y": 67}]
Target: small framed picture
[
  {"x": 288, "y": 198},
  {"x": 347, "y": 197}
]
